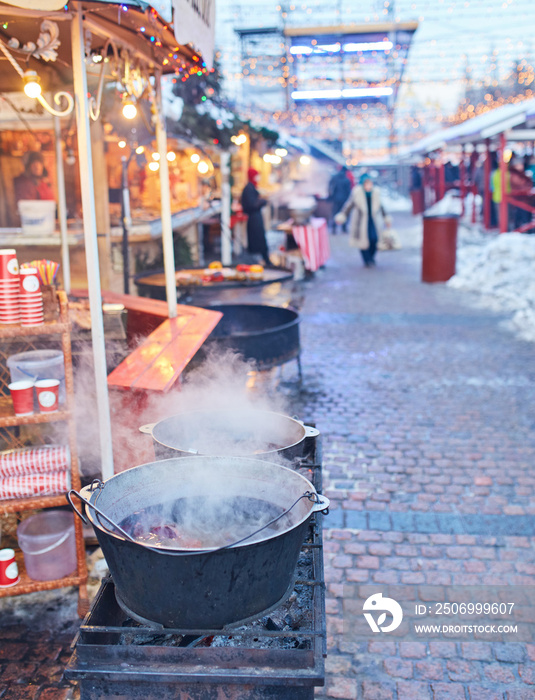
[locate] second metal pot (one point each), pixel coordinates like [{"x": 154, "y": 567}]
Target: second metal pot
[{"x": 245, "y": 433}]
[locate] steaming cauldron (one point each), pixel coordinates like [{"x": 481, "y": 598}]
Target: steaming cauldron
[
  {"x": 246, "y": 433},
  {"x": 213, "y": 587}
]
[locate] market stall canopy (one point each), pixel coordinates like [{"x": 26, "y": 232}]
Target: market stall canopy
[
  {"x": 40, "y": 40},
  {"x": 516, "y": 120}
]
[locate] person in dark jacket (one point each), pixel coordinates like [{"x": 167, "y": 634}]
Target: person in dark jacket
[
  {"x": 339, "y": 191},
  {"x": 32, "y": 183},
  {"x": 252, "y": 204}
]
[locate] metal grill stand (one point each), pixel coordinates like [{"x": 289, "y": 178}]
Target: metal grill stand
[{"x": 279, "y": 656}]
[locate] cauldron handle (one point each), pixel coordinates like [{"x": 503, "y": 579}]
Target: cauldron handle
[
  {"x": 97, "y": 510},
  {"x": 310, "y": 431},
  {"x": 146, "y": 429}
]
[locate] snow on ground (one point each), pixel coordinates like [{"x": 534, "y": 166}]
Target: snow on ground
[
  {"x": 394, "y": 202},
  {"x": 500, "y": 273}
]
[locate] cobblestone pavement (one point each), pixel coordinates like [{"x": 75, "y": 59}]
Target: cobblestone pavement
[
  {"x": 426, "y": 407},
  {"x": 427, "y": 410}
]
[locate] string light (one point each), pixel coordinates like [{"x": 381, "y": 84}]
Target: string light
[
  {"x": 154, "y": 166},
  {"x": 155, "y": 156},
  {"x": 122, "y": 144},
  {"x": 140, "y": 150},
  {"x": 195, "y": 157},
  {"x": 129, "y": 109},
  {"x": 171, "y": 156},
  {"x": 203, "y": 167},
  {"x": 32, "y": 84}
]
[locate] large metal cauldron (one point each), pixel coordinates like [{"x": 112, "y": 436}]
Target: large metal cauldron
[
  {"x": 265, "y": 335},
  {"x": 203, "y": 589},
  {"x": 246, "y": 433}
]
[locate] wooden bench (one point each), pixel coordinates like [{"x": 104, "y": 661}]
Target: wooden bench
[{"x": 157, "y": 362}]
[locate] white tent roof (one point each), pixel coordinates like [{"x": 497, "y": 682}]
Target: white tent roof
[{"x": 487, "y": 125}]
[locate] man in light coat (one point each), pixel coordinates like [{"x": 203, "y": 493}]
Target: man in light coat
[{"x": 367, "y": 218}]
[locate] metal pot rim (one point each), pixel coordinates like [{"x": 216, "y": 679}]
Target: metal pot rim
[
  {"x": 212, "y": 410},
  {"x": 92, "y": 497}
]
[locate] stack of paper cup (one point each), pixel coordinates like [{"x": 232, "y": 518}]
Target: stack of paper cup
[
  {"x": 31, "y": 298},
  {"x": 9, "y": 286}
]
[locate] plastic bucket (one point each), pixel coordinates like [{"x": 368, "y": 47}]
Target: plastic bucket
[
  {"x": 37, "y": 216},
  {"x": 48, "y": 544},
  {"x": 37, "y": 365}
]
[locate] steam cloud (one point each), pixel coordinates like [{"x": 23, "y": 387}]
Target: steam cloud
[{"x": 221, "y": 383}]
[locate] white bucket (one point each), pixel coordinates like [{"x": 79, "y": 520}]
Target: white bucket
[{"x": 38, "y": 216}]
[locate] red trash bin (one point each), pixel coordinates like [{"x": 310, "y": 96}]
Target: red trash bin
[{"x": 439, "y": 249}]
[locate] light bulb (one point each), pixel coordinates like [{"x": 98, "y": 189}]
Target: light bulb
[
  {"x": 140, "y": 149},
  {"x": 122, "y": 144},
  {"x": 154, "y": 166},
  {"x": 171, "y": 156},
  {"x": 195, "y": 158},
  {"x": 155, "y": 156},
  {"x": 129, "y": 110},
  {"x": 281, "y": 152},
  {"x": 203, "y": 167},
  {"x": 304, "y": 160},
  {"x": 32, "y": 84}
]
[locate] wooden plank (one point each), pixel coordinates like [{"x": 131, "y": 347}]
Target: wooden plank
[
  {"x": 158, "y": 362},
  {"x": 165, "y": 370}
]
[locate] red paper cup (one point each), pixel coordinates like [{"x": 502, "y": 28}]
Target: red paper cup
[
  {"x": 9, "y": 267},
  {"x": 47, "y": 394},
  {"x": 28, "y": 318},
  {"x": 31, "y": 308},
  {"x": 22, "y": 396},
  {"x": 29, "y": 281},
  {"x": 9, "y": 572}
]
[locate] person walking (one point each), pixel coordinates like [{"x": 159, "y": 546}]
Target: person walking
[
  {"x": 252, "y": 204},
  {"x": 339, "y": 191},
  {"x": 367, "y": 220}
]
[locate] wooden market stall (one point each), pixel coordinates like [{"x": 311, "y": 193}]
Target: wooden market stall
[
  {"x": 487, "y": 136},
  {"x": 46, "y": 47}
]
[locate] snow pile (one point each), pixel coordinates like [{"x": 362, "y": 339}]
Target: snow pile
[
  {"x": 394, "y": 202},
  {"x": 450, "y": 204},
  {"x": 500, "y": 272}
]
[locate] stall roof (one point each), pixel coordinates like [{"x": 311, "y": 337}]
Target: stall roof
[
  {"x": 515, "y": 120},
  {"x": 138, "y": 29}
]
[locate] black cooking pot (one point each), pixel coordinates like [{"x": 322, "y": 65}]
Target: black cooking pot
[
  {"x": 246, "y": 433},
  {"x": 210, "y": 587}
]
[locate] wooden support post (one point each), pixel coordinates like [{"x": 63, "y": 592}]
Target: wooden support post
[
  {"x": 62, "y": 209},
  {"x": 462, "y": 176},
  {"x": 102, "y": 204},
  {"x": 226, "y": 232},
  {"x": 441, "y": 179},
  {"x": 165, "y": 195},
  {"x": 91, "y": 244},
  {"x": 487, "y": 194},
  {"x": 504, "y": 205}
]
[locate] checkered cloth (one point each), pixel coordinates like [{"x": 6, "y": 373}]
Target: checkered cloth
[{"x": 313, "y": 242}]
